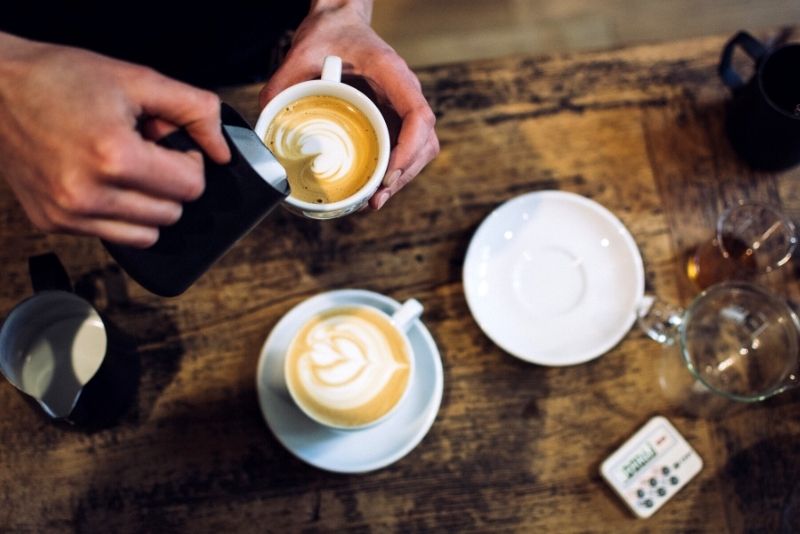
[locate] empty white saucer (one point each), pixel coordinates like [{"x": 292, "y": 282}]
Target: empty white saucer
[
  {"x": 553, "y": 278},
  {"x": 356, "y": 451}
]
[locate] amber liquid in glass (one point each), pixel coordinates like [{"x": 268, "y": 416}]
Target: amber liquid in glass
[{"x": 708, "y": 264}]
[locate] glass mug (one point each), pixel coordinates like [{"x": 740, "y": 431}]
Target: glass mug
[{"x": 737, "y": 341}]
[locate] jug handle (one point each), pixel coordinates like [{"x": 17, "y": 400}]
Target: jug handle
[
  {"x": 48, "y": 273},
  {"x": 752, "y": 48}
]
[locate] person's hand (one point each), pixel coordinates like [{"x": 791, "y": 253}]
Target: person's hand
[
  {"x": 76, "y": 141},
  {"x": 342, "y": 29}
]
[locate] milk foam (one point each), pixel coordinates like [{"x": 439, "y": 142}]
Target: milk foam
[
  {"x": 327, "y": 146},
  {"x": 324, "y": 146},
  {"x": 348, "y": 362}
]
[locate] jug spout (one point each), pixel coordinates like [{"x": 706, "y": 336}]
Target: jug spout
[
  {"x": 62, "y": 355},
  {"x": 60, "y": 405}
]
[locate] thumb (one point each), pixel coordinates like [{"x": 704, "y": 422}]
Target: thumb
[{"x": 294, "y": 70}]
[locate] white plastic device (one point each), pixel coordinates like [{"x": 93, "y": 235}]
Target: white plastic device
[{"x": 651, "y": 467}]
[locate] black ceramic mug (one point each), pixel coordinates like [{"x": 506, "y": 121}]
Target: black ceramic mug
[{"x": 763, "y": 119}]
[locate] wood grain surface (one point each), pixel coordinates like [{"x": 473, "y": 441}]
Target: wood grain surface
[{"x": 515, "y": 446}]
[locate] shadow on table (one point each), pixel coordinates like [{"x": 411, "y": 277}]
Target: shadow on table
[
  {"x": 760, "y": 485},
  {"x": 143, "y": 357},
  {"x": 213, "y": 460},
  {"x": 202, "y": 459},
  {"x": 202, "y": 450}
]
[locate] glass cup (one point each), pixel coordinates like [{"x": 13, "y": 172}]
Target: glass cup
[
  {"x": 737, "y": 341},
  {"x": 750, "y": 239}
]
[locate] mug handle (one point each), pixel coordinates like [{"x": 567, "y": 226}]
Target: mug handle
[
  {"x": 752, "y": 48},
  {"x": 332, "y": 69},
  {"x": 47, "y": 273},
  {"x": 409, "y": 312}
]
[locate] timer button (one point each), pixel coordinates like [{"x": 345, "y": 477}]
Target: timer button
[
  {"x": 673, "y": 480},
  {"x": 653, "y": 482}
]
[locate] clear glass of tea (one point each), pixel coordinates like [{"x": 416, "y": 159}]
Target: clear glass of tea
[{"x": 751, "y": 239}]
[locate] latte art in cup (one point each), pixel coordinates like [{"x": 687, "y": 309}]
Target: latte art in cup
[
  {"x": 327, "y": 146},
  {"x": 348, "y": 367}
]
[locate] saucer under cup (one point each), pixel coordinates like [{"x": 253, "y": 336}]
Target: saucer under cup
[{"x": 350, "y": 451}]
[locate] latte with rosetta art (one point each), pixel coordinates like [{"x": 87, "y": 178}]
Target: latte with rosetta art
[
  {"x": 348, "y": 367},
  {"x": 327, "y": 146}
]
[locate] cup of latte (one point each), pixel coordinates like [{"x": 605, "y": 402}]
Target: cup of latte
[
  {"x": 332, "y": 141},
  {"x": 349, "y": 367}
]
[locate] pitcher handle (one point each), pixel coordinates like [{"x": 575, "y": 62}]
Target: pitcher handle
[
  {"x": 48, "y": 273},
  {"x": 751, "y": 46}
]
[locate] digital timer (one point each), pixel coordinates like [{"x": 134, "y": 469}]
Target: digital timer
[
  {"x": 638, "y": 461},
  {"x": 649, "y": 468}
]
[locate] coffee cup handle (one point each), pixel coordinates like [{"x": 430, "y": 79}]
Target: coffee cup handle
[
  {"x": 48, "y": 273},
  {"x": 409, "y": 312},
  {"x": 752, "y": 48},
  {"x": 332, "y": 69}
]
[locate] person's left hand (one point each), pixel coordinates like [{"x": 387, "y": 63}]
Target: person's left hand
[{"x": 344, "y": 31}]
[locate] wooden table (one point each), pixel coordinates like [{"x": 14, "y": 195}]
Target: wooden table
[{"x": 515, "y": 446}]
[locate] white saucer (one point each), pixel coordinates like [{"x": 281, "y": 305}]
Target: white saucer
[
  {"x": 553, "y": 278},
  {"x": 355, "y": 451}
]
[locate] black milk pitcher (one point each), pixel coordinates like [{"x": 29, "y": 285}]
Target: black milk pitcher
[
  {"x": 763, "y": 119},
  {"x": 237, "y": 196}
]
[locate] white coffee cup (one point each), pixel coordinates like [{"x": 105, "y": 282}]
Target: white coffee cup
[
  {"x": 330, "y": 84},
  {"x": 400, "y": 322}
]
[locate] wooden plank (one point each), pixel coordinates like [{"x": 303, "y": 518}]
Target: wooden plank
[{"x": 515, "y": 447}]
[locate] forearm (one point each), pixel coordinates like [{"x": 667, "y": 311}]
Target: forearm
[
  {"x": 361, "y": 7},
  {"x": 9, "y": 43},
  {"x": 16, "y": 53}
]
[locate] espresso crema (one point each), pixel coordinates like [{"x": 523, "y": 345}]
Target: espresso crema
[
  {"x": 327, "y": 146},
  {"x": 348, "y": 367}
]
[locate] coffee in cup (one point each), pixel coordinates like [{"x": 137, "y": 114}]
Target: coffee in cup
[
  {"x": 332, "y": 140},
  {"x": 327, "y": 146},
  {"x": 348, "y": 367}
]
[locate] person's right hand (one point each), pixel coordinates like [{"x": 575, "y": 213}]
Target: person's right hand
[{"x": 76, "y": 141}]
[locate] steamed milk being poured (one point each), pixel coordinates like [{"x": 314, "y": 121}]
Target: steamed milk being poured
[
  {"x": 327, "y": 146},
  {"x": 348, "y": 367}
]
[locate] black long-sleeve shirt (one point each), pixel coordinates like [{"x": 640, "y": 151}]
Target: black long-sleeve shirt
[{"x": 232, "y": 43}]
